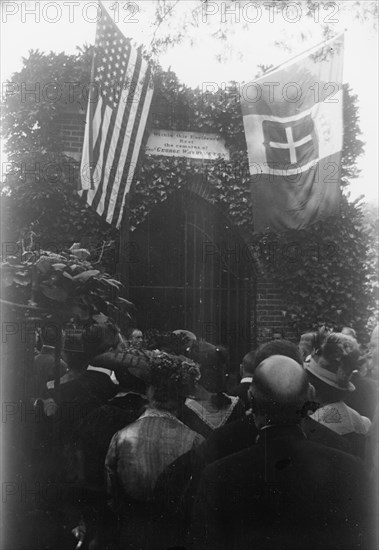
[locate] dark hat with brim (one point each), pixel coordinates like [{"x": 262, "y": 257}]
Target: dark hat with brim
[
  {"x": 129, "y": 362},
  {"x": 326, "y": 376}
]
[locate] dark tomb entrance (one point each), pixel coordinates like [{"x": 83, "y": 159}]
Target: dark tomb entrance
[{"x": 190, "y": 269}]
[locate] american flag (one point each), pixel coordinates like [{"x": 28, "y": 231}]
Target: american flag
[{"x": 119, "y": 101}]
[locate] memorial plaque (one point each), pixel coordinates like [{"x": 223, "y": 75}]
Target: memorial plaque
[{"x": 194, "y": 145}]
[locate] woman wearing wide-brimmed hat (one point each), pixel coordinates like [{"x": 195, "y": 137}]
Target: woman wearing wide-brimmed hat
[{"x": 330, "y": 370}]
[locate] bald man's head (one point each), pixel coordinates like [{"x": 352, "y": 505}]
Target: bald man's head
[{"x": 280, "y": 388}]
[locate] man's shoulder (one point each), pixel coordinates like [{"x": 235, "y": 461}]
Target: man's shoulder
[
  {"x": 256, "y": 453},
  {"x": 242, "y": 431},
  {"x": 127, "y": 431},
  {"x": 335, "y": 461},
  {"x": 242, "y": 425},
  {"x": 173, "y": 422},
  {"x": 150, "y": 424},
  {"x": 235, "y": 464},
  {"x": 71, "y": 389},
  {"x": 228, "y": 439},
  {"x": 318, "y": 433}
]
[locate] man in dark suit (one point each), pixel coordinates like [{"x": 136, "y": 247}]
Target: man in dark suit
[
  {"x": 181, "y": 478},
  {"x": 242, "y": 433},
  {"x": 246, "y": 372},
  {"x": 284, "y": 492},
  {"x": 44, "y": 362},
  {"x": 94, "y": 387}
]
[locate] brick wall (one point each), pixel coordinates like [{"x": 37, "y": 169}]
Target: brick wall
[
  {"x": 71, "y": 127},
  {"x": 270, "y": 316}
]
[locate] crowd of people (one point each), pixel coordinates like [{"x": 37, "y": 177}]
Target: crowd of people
[{"x": 166, "y": 451}]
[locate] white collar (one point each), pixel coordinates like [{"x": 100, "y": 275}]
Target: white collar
[
  {"x": 100, "y": 369},
  {"x": 153, "y": 412},
  {"x": 247, "y": 379},
  {"x": 125, "y": 393}
]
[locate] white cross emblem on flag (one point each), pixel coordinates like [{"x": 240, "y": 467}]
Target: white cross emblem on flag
[{"x": 290, "y": 143}]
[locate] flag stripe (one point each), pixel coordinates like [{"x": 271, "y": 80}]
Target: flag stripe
[
  {"x": 115, "y": 125},
  {"x": 281, "y": 204},
  {"x": 134, "y": 151},
  {"x": 134, "y": 121},
  {"x": 112, "y": 136},
  {"x": 98, "y": 119},
  {"x": 122, "y": 142},
  {"x": 100, "y": 165},
  {"x": 108, "y": 140}
]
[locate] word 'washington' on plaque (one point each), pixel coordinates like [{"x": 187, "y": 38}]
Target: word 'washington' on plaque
[{"x": 193, "y": 145}]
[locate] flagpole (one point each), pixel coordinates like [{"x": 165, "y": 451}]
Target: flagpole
[
  {"x": 89, "y": 120},
  {"x": 91, "y": 108},
  {"x": 125, "y": 241},
  {"x": 112, "y": 197}
]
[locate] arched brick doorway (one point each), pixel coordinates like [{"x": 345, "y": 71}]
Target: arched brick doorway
[{"x": 190, "y": 269}]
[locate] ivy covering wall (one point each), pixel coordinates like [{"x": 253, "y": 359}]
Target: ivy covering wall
[{"x": 324, "y": 272}]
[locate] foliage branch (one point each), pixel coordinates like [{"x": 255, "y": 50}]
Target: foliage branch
[{"x": 66, "y": 287}]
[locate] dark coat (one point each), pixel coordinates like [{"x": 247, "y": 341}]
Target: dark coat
[
  {"x": 240, "y": 390},
  {"x": 79, "y": 397},
  {"x": 285, "y": 492},
  {"x": 239, "y": 435},
  {"x": 180, "y": 480},
  {"x": 95, "y": 431},
  {"x": 365, "y": 397},
  {"x": 44, "y": 370}
]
